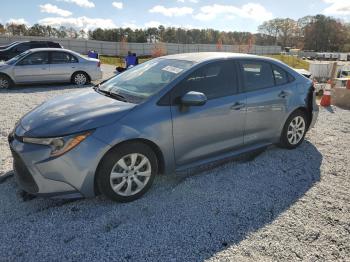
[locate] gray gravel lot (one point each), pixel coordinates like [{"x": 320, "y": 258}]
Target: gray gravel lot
[{"x": 281, "y": 206}]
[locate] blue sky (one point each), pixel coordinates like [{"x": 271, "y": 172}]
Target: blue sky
[{"x": 228, "y": 15}]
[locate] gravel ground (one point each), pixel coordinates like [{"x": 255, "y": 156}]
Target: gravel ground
[{"x": 280, "y": 206}]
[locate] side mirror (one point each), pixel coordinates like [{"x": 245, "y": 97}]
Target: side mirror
[{"x": 193, "y": 98}]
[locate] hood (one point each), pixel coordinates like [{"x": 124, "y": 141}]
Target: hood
[{"x": 73, "y": 113}]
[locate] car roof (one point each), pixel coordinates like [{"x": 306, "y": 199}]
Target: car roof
[{"x": 207, "y": 56}]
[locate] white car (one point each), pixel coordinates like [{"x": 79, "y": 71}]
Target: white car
[{"x": 49, "y": 65}]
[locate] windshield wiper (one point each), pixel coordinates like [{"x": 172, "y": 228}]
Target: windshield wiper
[
  {"x": 118, "y": 96},
  {"x": 111, "y": 94}
]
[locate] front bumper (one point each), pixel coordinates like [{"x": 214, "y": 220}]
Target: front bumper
[{"x": 68, "y": 176}]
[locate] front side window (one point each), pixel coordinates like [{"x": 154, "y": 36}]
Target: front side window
[
  {"x": 62, "y": 58},
  {"x": 257, "y": 75},
  {"x": 21, "y": 47},
  {"x": 146, "y": 79},
  {"x": 38, "y": 58},
  {"x": 217, "y": 79}
]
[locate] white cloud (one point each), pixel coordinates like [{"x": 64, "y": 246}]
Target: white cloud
[
  {"x": 131, "y": 25},
  {"x": 337, "y": 7},
  {"x": 53, "y": 9},
  {"x": 251, "y": 10},
  {"x": 82, "y": 22},
  {"x": 118, "y": 5},
  {"x": 172, "y": 11},
  {"x": 18, "y": 21},
  {"x": 81, "y": 3},
  {"x": 157, "y": 24},
  {"x": 188, "y": 1}
]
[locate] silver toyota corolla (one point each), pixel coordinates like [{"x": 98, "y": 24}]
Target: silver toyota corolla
[
  {"x": 163, "y": 116},
  {"x": 49, "y": 65}
]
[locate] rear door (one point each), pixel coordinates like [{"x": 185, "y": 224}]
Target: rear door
[
  {"x": 33, "y": 68},
  {"x": 62, "y": 65},
  {"x": 267, "y": 89},
  {"x": 216, "y": 127}
]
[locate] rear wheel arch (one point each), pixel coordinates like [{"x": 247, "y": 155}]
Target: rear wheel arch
[{"x": 152, "y": 145}]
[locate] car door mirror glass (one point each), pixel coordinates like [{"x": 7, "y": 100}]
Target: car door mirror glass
[{"x": 193, "y": 98}]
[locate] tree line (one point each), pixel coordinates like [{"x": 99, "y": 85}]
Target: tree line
[{"x": 317, "y": 33}]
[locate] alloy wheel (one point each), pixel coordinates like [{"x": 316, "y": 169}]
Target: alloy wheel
[
  {"x": 4, "y": 83},
  {"x": 296, "y": 130},
  {"x": 80, "y": 79},
  {"x": 130, "y": 174}
]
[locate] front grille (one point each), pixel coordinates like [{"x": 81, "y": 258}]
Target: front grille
[{"x": 24, "y": 177}]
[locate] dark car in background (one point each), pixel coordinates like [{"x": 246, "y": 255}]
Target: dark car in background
[
  {"x": 8, "y": 45},
  {"x": 20, "y": 47}
]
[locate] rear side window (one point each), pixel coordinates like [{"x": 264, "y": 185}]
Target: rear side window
[
  {"x": 38, "y": 45},
  {"x": 54, "y": 45},
  {"x": 62, "y": 58},
  {"x": 281, "y": 76},
  {"x": 217, "y": 79},
  {"x": 257, "y": 75}
]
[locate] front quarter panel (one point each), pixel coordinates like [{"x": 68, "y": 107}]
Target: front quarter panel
[{"x": 147, "y": 121}]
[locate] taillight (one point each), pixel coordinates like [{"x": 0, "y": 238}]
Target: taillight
[{"x": 99, "y": 64}]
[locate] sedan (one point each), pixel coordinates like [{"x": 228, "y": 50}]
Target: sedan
[
  {"x": 161, "y": 117},
  {"x": 49, "y": 65}
]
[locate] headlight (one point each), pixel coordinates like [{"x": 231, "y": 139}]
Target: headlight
[{"x": 59, "y": 145}]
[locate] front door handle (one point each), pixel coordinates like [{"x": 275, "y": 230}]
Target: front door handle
[
  {"x": 283, "y": 94},
  {"x": 237, "y": 106}
]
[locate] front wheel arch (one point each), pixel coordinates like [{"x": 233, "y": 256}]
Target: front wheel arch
[
  {"x": 152, "y": 145},
  {"x": 12, "y": 83}
]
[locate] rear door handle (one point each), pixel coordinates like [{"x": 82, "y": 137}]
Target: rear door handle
[
  {"x": 283, "y": 94},
  {"x": 237, "y": 106}
]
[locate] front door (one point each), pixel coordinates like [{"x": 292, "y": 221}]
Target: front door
[
  {"x": 33, "y": 68},
  {"x": 216, "y": 127}
]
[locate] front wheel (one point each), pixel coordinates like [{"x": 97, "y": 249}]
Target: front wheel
[
  {"x": 5, "y": 82},
  {"x": 127, "y": 172},
  {"x": 294, "y": 130}
]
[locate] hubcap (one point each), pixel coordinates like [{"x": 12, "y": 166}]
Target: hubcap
[
  {"x": 80, "y": 79},
  {"x": 130, "y": 174},
  {"x": 4, "y": 83},
  {"x": 296, "y": 130}
]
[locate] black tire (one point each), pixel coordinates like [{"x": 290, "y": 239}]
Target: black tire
[
  {"x": 285, "y": 140},
  {"x": 108, "y": 163},
  {"x": 77, "y": 78},
  {"x": 5, "y": 82}
]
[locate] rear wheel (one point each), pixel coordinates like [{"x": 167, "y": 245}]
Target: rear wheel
[
  {"x": 294, "y": 130},
  {"x": 80, "y": 79},
  {"x": 127, "y": 172},
  {"x": 5, "y": 82}
]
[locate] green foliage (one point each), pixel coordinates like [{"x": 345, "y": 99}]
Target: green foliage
[{"x": 292, "y": 61}]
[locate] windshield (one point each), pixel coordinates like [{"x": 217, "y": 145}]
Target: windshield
[
  {"x": 146, "y": 79},
  {"x": 16, "y": 58}
]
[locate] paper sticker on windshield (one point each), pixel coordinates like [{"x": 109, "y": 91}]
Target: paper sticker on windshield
[{"x": 172, "y": 69}]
